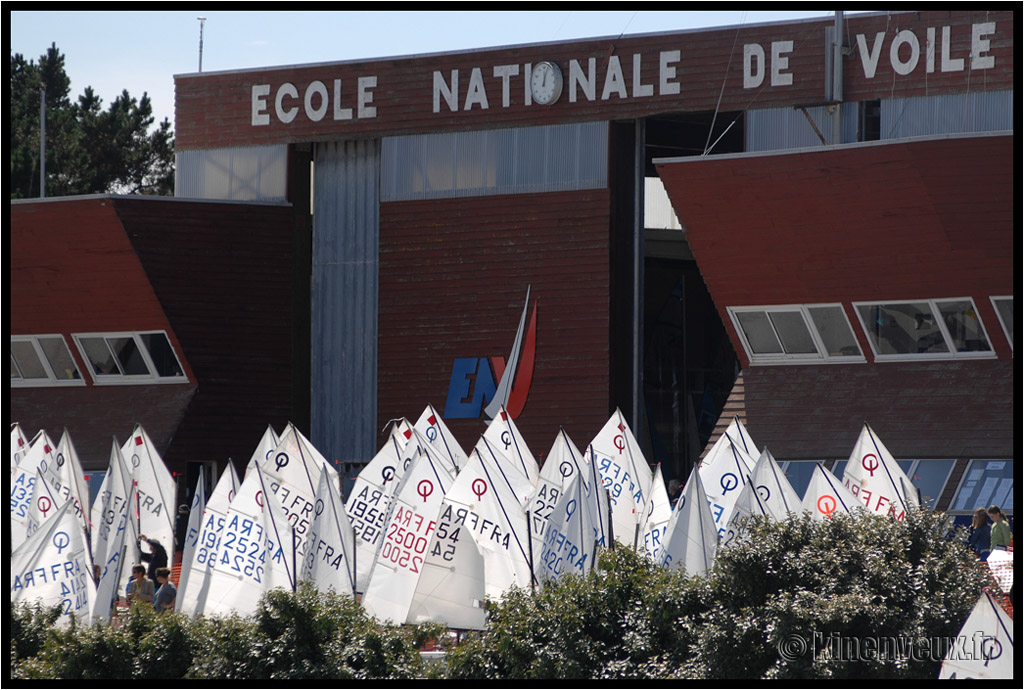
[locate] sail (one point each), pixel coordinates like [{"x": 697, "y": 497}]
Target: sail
[
  {"x": 451, "y": 588},
  {"x": 826, "y": 495},
  {"x": 503, "y": 436},
  {"x": 328, "y": 561},
  {"x": 195, "y": 524},
  {"x": 504, "y": 388},
  {"x": 52, "y": 567},
  {"x": 984, "y": 647},
  {"x": 564, "y": 463},
  {"x": 874, "y": 477},
  {"x": 156, "y": 489},
  {"x": 766, "y": 492},
  {"x": 23, "y": 479},
  {"x": 268, "y": 442},
  {"x": 723, "y": 472},
  {"x": 412, "y": 521},
  {"x": 440, "y": 438},
  {"x": 569, "y": 542},
  {"x": 123, "y": 554},
  {"x": 691, "y": 538},
  {"x": 67, "y": 479},
  {"x": 19, "y": 445},
  {"x": 482, "y": 506},
  {"x": 655, "y": 517},
  {"x": 200, "y": 563},
  {"x": 109, "y": 505},
  {"x": 253, "y": 554},
  {"x": 625, "y": 474},
  {"x": 370, "y": 498}
]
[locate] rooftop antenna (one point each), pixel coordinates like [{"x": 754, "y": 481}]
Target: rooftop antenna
[{"x": 202, "y": 21}]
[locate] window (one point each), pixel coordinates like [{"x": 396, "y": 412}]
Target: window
[
  {"x": 935, "y": 329},
  {"x": 985, "y": 483},
  {"x": 799, "y": 473},
  {"x": 928, "y": 476},
  {"x": 796, "y": 334},
  {"x": 1004, "y": 309},
  {"x": 42, "y": 360},
  {"x": 130, "y": 357}
]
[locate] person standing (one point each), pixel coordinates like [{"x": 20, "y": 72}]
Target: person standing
[
  {"x": 157, "y": 556},
  {"x": 980, "y": 534},
  {"x": 1000, "y": 534},
  {"x": 165, "y": 596}
]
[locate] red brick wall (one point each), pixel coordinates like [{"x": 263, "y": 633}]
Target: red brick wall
[{"x": 453, "y": 280}]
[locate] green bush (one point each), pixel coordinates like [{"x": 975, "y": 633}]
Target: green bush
[{"x": 854, "y": 598}]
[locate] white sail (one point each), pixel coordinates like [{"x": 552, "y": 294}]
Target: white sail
[
  {"x": 440, "y": 437},
  {"x": 19, "y": 445},
  {"x": 39, "y": 456},
  {"x": 691, "y": 539},
  {"x": 67, "y": 479},
  {"x": 1000, "y": 564},
  {"x": 503, "y": 436},
  {"x": 766, "y": 492},
  {"x": 984, "y": 647},
  {"x": 109, "y": 505},
  {"x": 253, "y": 554},
  {"x": 370, "y": 498},
  {"x": 156, "y": 489},
  {"x": 569, "y": 542},
  {"x": 625, "y": 474},
  {"x": 268, "y": 442},
  {"x": 826, "y": 495},
  {"x": 188, "y": 548},
  {"x": 874, "y": 477},
  {"x": 407, "y": 536},
  {"x": 504, "y": 388},
  {"x": 123, "y": 554},
  {"x": 52, "y": 567},
  {"x": 723, "y": 472},
  {"x": 328, "y": 561},
  {"x": 655, "y": 517},
  {"x": 564, "y": 463},
  {"x": 482, "y": 505},
  {"x": 211, "y": 529},
  {"x": 452, "y": 585}
]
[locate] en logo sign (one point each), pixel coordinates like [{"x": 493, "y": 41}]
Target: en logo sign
[{"x": 472, "y": 391}]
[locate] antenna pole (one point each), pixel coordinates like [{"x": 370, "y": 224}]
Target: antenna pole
[{"x": 202, "y": 21}]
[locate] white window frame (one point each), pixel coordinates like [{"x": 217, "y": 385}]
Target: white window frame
[
  {"x": 120, "y": 379},
  {"x": 822, "y": 355},
  {"x": 1008, "y": 332},
  {"x": 51, "y": 380},
  {"x": 933, "y": 304}
]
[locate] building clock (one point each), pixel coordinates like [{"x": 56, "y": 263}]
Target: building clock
[{"x": 545, "y": 82}]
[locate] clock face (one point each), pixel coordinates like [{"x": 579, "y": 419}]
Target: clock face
[{"x": 546, "y": 82}]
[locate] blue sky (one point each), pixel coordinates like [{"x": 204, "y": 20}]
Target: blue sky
[{"x": 142, "y": 51}]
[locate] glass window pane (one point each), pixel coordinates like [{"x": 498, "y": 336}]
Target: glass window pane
[
  {"x": 161, "y": 353},
  {"x": 799, "y": 475},
  {"x": 56, "y": 351},
  {"x": 100, "y": 357},
  {"x": 900, "y": 329},
  {"x": 15, "y": 372},
  {"x": 985, "y": 483},
  {"x": 1005, "y": 308},
  {"x": 28, "y": 361},
  {"x": 792, "y": 329},
  {"x": 129, "y": 356},
  {"x": 964, "y": 326},
  {"x": 759, "y": 333},
  {"x": 930, "y": 478},
  {"x": 835, "y": 331}
]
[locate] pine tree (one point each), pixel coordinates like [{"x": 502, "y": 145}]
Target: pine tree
[{"x": 89, "y": 149}]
